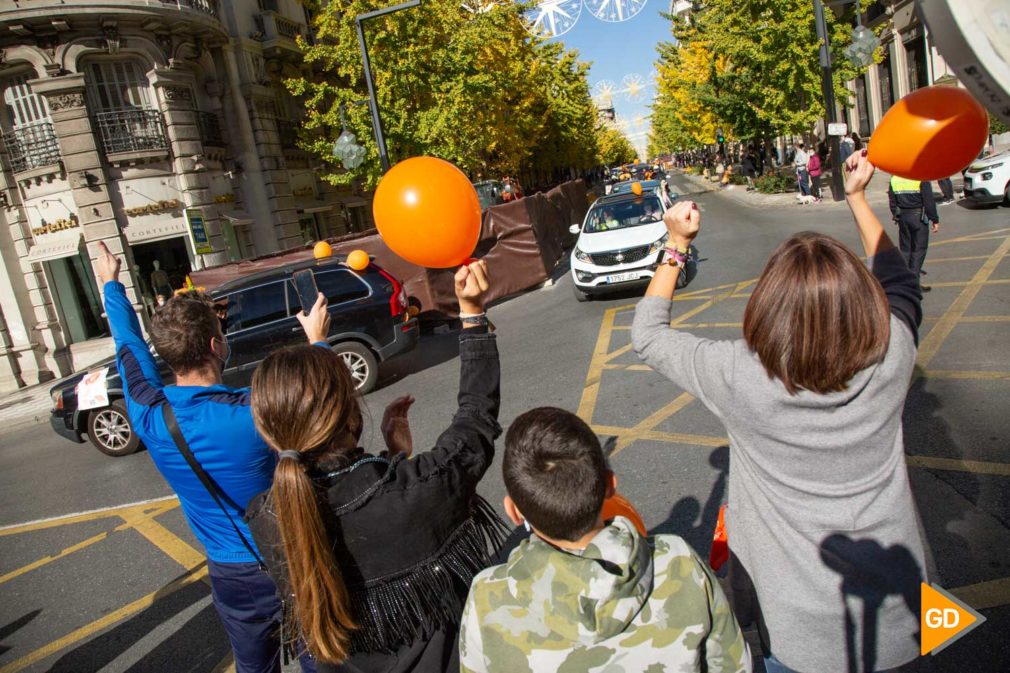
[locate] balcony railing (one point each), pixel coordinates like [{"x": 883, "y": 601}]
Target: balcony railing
[
  {"x": 32, "y": 146},
  {"x": 205, "y": 6},
  {"x": 210, "y": 129},
  {"x": 131, "y": 131}
]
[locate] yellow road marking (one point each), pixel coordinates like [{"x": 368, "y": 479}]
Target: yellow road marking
[
  {"x": 942, "y": 260},
  {"x": 991, "y": 594},
  {"x": 49, "y": 559},
  {"x": 967, "y": 375},
  {"x": 972, "y": 283},
  {"x": 971, "y": 238},
  {"x": 985, "y": 318},
  {"x": 930, "y": 346},
  {"x": 226, "y": 665},
  {"x": 94, "y": 627},
  {"x": 959, "y": 465},
  {"x": 654, "y": 419},
  {"x": 592, "y": 387},
  {"x": 165, "y": 540},
  {"x": 670, "y": 437},
  {"x": 168, "y": 503}
]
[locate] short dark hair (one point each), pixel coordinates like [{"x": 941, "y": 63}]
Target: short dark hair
[
  {"x": 817, "y": 316},
  {"x": 182, "y": 329},
  {"x": 555, "y": 472}
]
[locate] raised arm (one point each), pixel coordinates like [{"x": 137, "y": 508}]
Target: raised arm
[
  {"x": 141, "y": 378},
  {"x": 900, "y": 285}
]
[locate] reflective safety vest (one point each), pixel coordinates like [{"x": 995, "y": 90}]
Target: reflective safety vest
[{"x": 904, "y": 185}]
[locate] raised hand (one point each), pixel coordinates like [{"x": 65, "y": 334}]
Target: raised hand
[
  {"x": 317, "y": 323},
  {"x": 471, "y": 284},
  {"x": 860, "y": 171},
  {"x": 107, "y": 263},
  {"x": 683, "y": 221},
  {"x": 396, "y": 427}
]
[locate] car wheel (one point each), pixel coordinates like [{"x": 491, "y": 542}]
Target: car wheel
[
  {"x": 361, "y": 363},
  {"x": 579, "y": 294},
  {"x": 111, "y": 432}
]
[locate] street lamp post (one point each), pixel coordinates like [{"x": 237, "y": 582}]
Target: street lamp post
[
  {"x": 828, "y": 88},
  {"x": 373, "y": 103}
]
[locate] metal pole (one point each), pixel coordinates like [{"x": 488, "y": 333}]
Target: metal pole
[
  {"x": 828, "y": 88},
  {"x": 373, "y": 103}
]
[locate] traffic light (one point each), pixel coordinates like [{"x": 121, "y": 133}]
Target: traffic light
[{"x": 720, "y": 137}]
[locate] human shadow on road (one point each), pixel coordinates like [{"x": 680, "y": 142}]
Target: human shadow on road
[
  {"x": 198, "y": 645},
  {"x": 9, "y": 629},
  {"x": 431, "y": 351},
  {"x": 692, "y": 521}
]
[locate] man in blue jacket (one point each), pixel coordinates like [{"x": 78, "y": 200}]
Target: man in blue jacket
[{"x": 217, "y": 424}]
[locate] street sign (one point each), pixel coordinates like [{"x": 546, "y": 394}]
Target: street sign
[
  {"x": 839, "y": 129},
  {"x": 201, "y": 242}
]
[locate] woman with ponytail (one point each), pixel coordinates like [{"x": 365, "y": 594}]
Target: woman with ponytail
[{"x": 374, "y": 553}]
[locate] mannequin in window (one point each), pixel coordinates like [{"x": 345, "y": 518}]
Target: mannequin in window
[{"x": 159, "y": 281}]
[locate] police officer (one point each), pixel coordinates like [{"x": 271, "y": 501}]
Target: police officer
[{"x": 913, "y": 208}]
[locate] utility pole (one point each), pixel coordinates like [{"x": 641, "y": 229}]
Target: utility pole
[{"x": 828, "y": 88}]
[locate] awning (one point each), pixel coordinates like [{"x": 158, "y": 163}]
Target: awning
[
  {"x": 309, "y": 210},
  {"x": 237, "y": 217},
  {"x": 55, "y": 246}
]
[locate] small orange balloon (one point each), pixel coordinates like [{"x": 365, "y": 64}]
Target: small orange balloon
[
  {"x": 636, "y": 188},
  {"x": 358, "y": 260},
  {"x": 427, "y": 212},
  {"x": 929, "y": 134},
  {"x": 322, "y": 250},
  {"x": 618, "y": 505}
]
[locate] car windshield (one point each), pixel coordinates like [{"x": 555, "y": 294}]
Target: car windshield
[{"x": 611, "y": 216}]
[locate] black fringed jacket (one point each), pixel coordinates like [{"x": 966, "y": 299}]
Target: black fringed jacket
[{"x": 409, "y": 535}]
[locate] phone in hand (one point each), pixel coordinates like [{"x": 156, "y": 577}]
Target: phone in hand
[{"x": 305, "y": 286}]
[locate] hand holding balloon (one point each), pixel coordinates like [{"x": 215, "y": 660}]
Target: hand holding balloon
[{"x": 471, "y": 283}]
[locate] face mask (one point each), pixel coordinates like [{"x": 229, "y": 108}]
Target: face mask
[{"x": 227, "y": 353}]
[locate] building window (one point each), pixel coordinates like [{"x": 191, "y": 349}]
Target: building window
[
  {"x": 28, "y": 135},
  {"x": 117, "y": 85},
  {"x": 918, "y": 69},
  {"x": 309, "y": 225},
  {"x": 863, "y": 106},
  {"x": 76, "y": 294},
  {"x": 885, "y": 74}
]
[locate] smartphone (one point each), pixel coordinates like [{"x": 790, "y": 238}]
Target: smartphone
[{"x": 305, "y": 286}]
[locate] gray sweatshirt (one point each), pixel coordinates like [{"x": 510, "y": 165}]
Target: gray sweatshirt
[{"x": 820, "y": 513}]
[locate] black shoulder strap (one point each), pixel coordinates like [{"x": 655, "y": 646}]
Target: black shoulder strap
[{"x": 208, "y": 483}]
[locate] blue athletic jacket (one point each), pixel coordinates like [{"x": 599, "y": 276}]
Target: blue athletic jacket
[{"x": 217, "y": 424}]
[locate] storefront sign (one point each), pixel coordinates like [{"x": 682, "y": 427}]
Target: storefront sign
[
  {"x": 59, "y": 225},
  {"x": 142, "y": 233},
  {"x": 152, "y": 208},
  {"x": 201, "y": 242}
]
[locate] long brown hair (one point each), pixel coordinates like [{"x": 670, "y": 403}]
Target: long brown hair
[
  {"x": 817, "y": 316},
  {"x": 303, "y": 400}
]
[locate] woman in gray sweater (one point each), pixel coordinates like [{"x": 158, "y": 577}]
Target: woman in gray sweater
[{"x": 821, "y": 515}]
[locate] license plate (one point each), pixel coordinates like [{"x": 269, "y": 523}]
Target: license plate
[{"x": 621, "y": 277}]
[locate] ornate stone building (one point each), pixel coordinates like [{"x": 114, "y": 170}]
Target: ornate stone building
[{"x": 161, "y": 127}]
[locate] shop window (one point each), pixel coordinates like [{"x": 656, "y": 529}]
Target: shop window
[
  {"x": 918, "y": 69},
  {"x": 76, "y": 294},
  {"x": 310, "y": 229},
  {"x": 885, "y": 74},
  {"x": 256, "y": 306},
  {"x": 863, "y": 107}
]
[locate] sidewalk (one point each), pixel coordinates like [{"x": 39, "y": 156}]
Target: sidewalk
[
  {"x": 27, "y": 406},
  {"x": 875, "y": 194}
]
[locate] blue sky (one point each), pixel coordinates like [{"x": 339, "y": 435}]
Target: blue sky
[{"x": 620, "y": 49}]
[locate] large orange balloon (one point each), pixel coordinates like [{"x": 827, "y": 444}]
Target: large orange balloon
[
  {"x": 427, "y": 212},
  {"x": 929, "y": 134},
  {"x": 618, "y": 505}
]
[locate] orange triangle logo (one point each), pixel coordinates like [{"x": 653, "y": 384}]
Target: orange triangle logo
[{"x": 944, "y": 619}]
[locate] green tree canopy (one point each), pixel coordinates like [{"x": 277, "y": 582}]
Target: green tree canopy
[
  {"x": 475, "y": 89},
  {"x": 614, "y": 147}
]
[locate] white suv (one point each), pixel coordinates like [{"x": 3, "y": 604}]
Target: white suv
[
  {"x": 988, "y": 180},
  {"x": 621, "y": 244}
]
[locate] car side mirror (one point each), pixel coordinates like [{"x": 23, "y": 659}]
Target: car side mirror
[{"x": 575, "y": 228}]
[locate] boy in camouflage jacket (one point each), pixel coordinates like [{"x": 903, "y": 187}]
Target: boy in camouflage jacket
[{"x": 582, "y": 594}]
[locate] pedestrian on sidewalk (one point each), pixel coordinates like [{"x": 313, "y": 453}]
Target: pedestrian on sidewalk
[
  {"x": 822, "y": 526},
  {"x": 377, "y": 550},
  {"x": 814, "y": 169},
  {"x": 215, "y": 423},
  {"x": 913, "y": 210},
  {"x": 947, "y": 189},
  {"x": 800, "y": 161}
]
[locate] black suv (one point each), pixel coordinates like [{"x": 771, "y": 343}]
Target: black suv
[{"x": 370, "y": 323}]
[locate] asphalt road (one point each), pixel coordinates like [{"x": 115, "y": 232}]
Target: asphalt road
[{"x": 123, "y": 589}]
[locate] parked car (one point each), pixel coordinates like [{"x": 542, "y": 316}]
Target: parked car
[
  {"x": 988, "y": 180},
  {"x": 620, "y": 244},
  {"x": 370, "y": 318}
]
